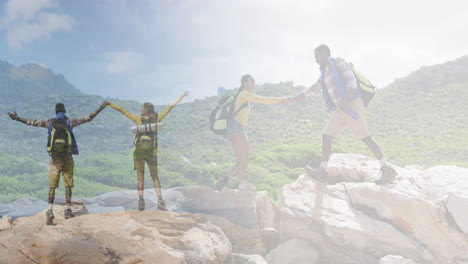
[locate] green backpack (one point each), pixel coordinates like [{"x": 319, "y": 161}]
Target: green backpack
[
  {"x": 223, "y": 112},
  {"x": 367, "y": 88},
  {"x": 146, "y": 143},
  {"x": 60, "y": 140}
]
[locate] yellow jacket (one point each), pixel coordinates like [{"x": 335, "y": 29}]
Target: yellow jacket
[
  {"x": 137, "y": 118},
  {"x": 246, "y": 96}
]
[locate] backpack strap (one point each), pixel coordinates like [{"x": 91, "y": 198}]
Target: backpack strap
[
  {"x": 232, "y": 114},
  {"x": 340, "y": 86},
  {"x": 244, "y": 105},
  {"x": 50, "y": 132}
]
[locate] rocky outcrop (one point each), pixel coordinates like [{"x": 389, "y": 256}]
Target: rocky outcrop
[
  {"x": 360, "y": 222},
  {"x": 248, "y": 218},
  {"x": 118, "y": 237},
  {"x": 420, "y": 218}
]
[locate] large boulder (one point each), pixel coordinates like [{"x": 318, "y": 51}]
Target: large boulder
[
  {"x": 356, "y": 221},
  {"x": 247, "y": 217},
  {"x": 118, "y": 237}
]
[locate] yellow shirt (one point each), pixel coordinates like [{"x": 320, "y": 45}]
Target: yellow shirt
[
  {"x": 246, "y": 96},
  {"x": 137, "y": 118}
]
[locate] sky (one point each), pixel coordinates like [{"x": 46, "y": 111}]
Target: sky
[{"x": 153, "y": 50}]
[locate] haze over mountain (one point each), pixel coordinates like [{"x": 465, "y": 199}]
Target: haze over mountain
[{"x": 418, "y": 119}]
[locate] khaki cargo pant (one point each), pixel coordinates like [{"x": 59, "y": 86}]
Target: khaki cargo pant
[{"x": 340, "y": 119}]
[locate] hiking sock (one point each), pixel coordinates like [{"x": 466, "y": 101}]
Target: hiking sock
[
  {"x": 160, "y": 197},
  {"x": 50, "y": 206},
  {"x": 67, "y": 206},
  {"x": 141, "y": 197}
]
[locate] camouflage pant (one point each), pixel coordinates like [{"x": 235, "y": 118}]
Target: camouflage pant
[
  {"x": 64, "y": 166},
  {"x": 153, "y": 167}
]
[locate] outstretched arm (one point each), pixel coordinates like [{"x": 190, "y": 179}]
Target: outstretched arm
[
  {"x": 133, "y": 117},
  {"x": 29, "y": 122},
  {"x": 169, "y": 108},
  {"x": 248, "y": 96},
  {"x": 76, "y": 121},
  {"x": 314, "y": 89}
]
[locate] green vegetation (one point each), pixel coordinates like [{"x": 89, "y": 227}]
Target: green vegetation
[{"x": 415, "y": 123}]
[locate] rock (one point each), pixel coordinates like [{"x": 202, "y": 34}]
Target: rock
[
  {"x": 270, "y": 238},
  {"x": 118, "y": 237},
  {"x": 237, "y": 206},
  {"x": 416, "y": 205},
  {"x": 457, "y": 205},
  {"x": 352, "y": 168},
  {"x": 325, "y": 217},
  {"x": 267, "y": 212},
  {"x": 420, "y": 216},
  {"x": 395, "y": 260},
  {"x": 245, "y": 212},
  {"x": 22, "y": 207},
  {"x": 294, "y": 251},
  {"x": 5, "y": 223},
  {"x": 244, "y": 240},
  {"x": 246, "y": 259}
]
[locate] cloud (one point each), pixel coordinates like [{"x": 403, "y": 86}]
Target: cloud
[
  {"x": 123, "y": 62},
  {"x": 204, "y": 44},
  {"x": 26, "y": 21}
]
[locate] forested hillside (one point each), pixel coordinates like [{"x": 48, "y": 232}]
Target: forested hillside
[{"x": 420, "y": 119}]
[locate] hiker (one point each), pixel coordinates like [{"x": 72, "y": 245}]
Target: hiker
[
  {"x": 341, "y": 94},
  {"x": 61, "y": 145},
  {"x": 145, "y": 146},
  {"x": 235, "y": 130}
]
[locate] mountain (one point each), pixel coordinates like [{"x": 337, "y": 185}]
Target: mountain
[
  {"x": 419, "y": 119},
  {"x": 31, "y": 80}
]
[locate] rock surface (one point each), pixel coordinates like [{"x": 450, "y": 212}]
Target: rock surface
[
  {"x": 395, "y": 260},
  {"x": 355, "y": 221},
  {"x": 118, "y": 237},
  {"x": 294, "y": 251},
  {"x": 5, "y": 223}
]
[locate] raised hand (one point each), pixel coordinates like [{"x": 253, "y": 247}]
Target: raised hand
[
  {"x": 106, "y": 103},
  {"x": 13, "y": 115},
  {"x": 186, "y": 93}
]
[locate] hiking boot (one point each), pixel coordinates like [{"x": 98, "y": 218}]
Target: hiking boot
[
  {"x": 388, "y": 175},
  {"x": 222, "y": 183},
  {"x": 162, "y": 205},
  {"x": 319, "y": 174},
  {"x": 141, "y": 204},
  {"x": 50, "y": 217},
  {"x": 68, "y": 213}
]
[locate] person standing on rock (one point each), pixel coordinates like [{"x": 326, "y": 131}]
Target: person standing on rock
[
  {"x": 145, "y": 146},
  {"x": 235, "y": 131},
  {"x": 340, "y": 91},
  {"x": 61, "y": 145}
]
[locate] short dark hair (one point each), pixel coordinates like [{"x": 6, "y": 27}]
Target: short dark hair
[
  {"x": 244, "y": 79},
  {"x": 323, "y": 48},
  {"x": 60, "y": 108},
  {"x": 149, "y": 107}
]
